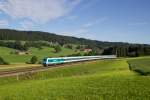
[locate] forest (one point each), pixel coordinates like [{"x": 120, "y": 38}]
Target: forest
[{"x": 121, "y": 49}]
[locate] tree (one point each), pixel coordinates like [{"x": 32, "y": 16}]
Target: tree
[
  {"x": 69, "y": 46},
  {"x": 57, "y": 49},
  {"x": 109, "y": 51},
  {"x": 34, "y": 59}
]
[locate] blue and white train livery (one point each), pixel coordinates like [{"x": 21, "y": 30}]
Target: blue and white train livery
[{"x": 61, "y": 60}]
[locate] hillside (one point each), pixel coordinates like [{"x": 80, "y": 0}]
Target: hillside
[
  {"x": 109, "y": 48},
  {"x": 40, "y": 53},
  {"x": 7, "y": 34}
]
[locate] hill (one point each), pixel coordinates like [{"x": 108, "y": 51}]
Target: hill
[
  {"x": 119, "y": 48},
  {"x": 7, "y": 34},
  {"x": 40, "y": 53}
]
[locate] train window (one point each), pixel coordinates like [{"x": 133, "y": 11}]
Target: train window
[
  {"x": 55, "y": 60},
  {"x": 51, "y": 60}
]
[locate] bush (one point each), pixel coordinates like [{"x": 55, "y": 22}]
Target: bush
[
  {"x": 40, "y": 62},
  {"x": 34, "y": 59},
  {"x": 69, "y": 46},
  {"x": 91, "y": 53},
  {"x": 3, "y": 62},
  {"x": 57, "y": 49},
  {"x": 77, "y": 54},
  {"x": 28, "y": 62}
]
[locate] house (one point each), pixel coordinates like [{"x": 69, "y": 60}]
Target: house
[
  {"x": 87, "y": 50},
  {"x": 22, "y": 53}
]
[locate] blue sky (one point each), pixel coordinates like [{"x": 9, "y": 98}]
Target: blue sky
[{"x": 105, "y": 20}]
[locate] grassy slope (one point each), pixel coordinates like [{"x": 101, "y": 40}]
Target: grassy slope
[
  {"x": 101, "y": 80},
  {"x": 141, "y": 65},
  {"x": 12, "y": 58}
]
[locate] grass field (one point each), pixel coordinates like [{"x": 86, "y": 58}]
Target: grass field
[
  {"x": 98, "y": 80},
  {"x": 45, "y": 52},
  {"x": 140, "y": 65}
]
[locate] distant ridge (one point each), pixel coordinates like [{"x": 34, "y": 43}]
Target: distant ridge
[{"x": 10, "y": 34}]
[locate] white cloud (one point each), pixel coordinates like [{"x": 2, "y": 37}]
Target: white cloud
[
  {"x": 3, "y": 23},
  {"x": 40, "y": 11},
  {"x": 88, "y": 25},
  {"x": 97, "y": 21},
  {"x": 26, "y": 25},
  {"x": 85, "y": 29},
  {"x": 80, "y": 31},
  {"x": 72, "y": 17}
]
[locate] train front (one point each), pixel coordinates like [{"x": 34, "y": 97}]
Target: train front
[{"x": 45, "y": 62}]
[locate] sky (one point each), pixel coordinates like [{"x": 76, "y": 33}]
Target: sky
[{"x": 104, "y": 20}]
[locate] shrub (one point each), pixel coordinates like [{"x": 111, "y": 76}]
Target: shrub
[
  {"x": 40, "y": 62},
  {"x": 57, "y": 49},
  {"x": 77, "y": 54},
  {"x": 28, "y": 62},
  {"x": 34, "y": 59},
  {"x": 69, "y": 46}
]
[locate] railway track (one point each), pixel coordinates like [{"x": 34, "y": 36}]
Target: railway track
[
  {"x": 23, "y": 71},
  {"x": 65, "y": 61},
  {"x": 19, "y": 71}
]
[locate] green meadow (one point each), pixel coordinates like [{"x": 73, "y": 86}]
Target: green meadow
[
  {"x": 140, "y": 65},
  {"x": 96, "y": 80},
  {"x": 40, "y": 53}
]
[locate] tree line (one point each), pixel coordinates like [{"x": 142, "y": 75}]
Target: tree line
[
  {"x": 23, "y": 46},
  {"x": 98, "y": 47},
  {"x": 7, "y": 34},
  {"x": 128, "y": 51}
]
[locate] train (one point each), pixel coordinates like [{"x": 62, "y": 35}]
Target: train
[{"x": 61, "y": 60}]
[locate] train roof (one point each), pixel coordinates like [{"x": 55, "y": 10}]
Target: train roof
[{"x": 103, "y": 56}]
